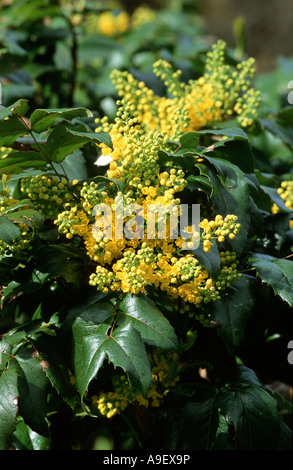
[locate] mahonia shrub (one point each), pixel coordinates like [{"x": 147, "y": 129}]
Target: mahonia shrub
[{"x": 113, "y": 323}]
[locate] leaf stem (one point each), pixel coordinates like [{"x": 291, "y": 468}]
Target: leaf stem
[{"x": 40, "y": 148}]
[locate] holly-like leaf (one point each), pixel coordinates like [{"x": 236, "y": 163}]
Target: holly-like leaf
[
  {"x": 277, "y": 273},
  {"x": 146, "y": 318},
  {"x": 8, "y": 405},
  {"x": 231, "y": 195},
  {"x": 42, "y": 119},
  {"x": 63, "y": 141},
  {"x": 62, "y": 261},
  {"x": 210, "y": 260},
  {"x": 234, "y": 146},
  {"x": 24, "y": 438},
  {"x": 242, "y": 415},
  {"x": 232, "y": 312},
  {"x": 9, "y": 232},
  {"x": 123, "y": 348},
  {"x": 10, "y": 130},
  {"x": 32, "y": 386},
  {"x": 18, "y": 108},
  {"x": 253, "y": 413},
  {"x": 17, "y": 162}
]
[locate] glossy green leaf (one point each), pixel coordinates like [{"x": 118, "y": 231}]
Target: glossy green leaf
[
  {"x": 8, "y": 405},
  {"x": 211, "y": 260},
  {"x": 18, "y": 108},
  {"x": 54, "y": 360},
  {"x": 64, "y": 261},
  {"x": 123, "y": 348},
  {"x": 253, "y": 413},
  {"x": 9, "y": 232},
  {"x": 235, "y": 147},
  {"x": 232, "y": 312},
  {"x": 231, "y": 195},
  {"x": 10, "y": 130},
  {"x": 145, "y": 317},
  {"x": 42, "y": 119},
  {"x": 32, "y": 387},
  {"x": 63, "y": 141},
  {"x": 17, "y": 162},
  {"x": 277, "y": 273},
  {"x": 241, "y": 415},
  {"x": 24, "y": 438}
]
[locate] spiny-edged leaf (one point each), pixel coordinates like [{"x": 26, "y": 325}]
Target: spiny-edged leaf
[
  {"x": 29, "y": 217},
  {"x": 10, "y": 130},
  {"x": 192, "y": 422},
  {"x": 63, "y": 141},
  {"x": 280, "y": 125},
  {"x": 153, "y": 327},
  {"x": 253, "y": 413},
  {"x": 232, "y": 312},
  {"x": 8, "y": 405},
  {"x": 235, "y": 147},
  {"x": 5, "y": 353},
  {"x": 20, "y": 107},
  {"x": 104, "y": 179},
  {"x": 210, "y": 260},
  {"x": 42, "y": 119},
  {"x": 24, "y": 438},
  {"x": 94, "y": 310},
  {"x": 53, "y": 360},
  {"x": 202, "y": 182},
  {"x": 8, "y": 231},
  {"x": 189, "y": 140},
  {"x": 231, "y": 195},
  {"x": 277, "y": 273},
  {"x": 62, "y": 261},
  {"x": 17, "y": 162},
  {"x": 32, "y": 390},
  {"x": 23, "y": 204},
  {"x": 123, "y": 348}
]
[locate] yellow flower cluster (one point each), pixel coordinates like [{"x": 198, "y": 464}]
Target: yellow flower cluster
[
  {"x": 48, "y": 194},
  {"x": 114, "y": 23},
  {"x": 286, "y": 192},
  {"x": 165, "y": 369},
  {"x": 108, "y": 23},
  {"x": 221, "y": 92},
  {"x": 20, "y": 246}
]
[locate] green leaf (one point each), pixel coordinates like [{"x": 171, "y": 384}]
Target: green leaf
[
  {"x": 281, "y": 126},
  {"x": 253, "y": 413},
  {"x": 8, "y": 405},
  {"x": 9, "y": 232},
  {"x": 32, "y": 390},
  {"x": 53, "y": 359},
  {"x": 211, "y": 260},
  {"x": 232, "y": 312},
  {"x": 63, "y": 141},
  {"x": 277, "y": 273},
  {"x": 5, "y": 351},
  {"x": 10, "y": 130},
  {"x": 147, "y": 319},
  {"x": 231, "y": 195},
  {"x": 192, "y": 421},
  {"x": 18, "y": 108},
  {"x": 24, "y": 438},
  {"x": 62, "y": 260},
  {"x": 238, "y": 416},
  {"x": 123, "y": 348},
  {"x": 235, "y": 147},
  {"x": 29, "y": 217},
  {"x": 42, "y": 119},
  {"x": 16, "y": 162}
]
